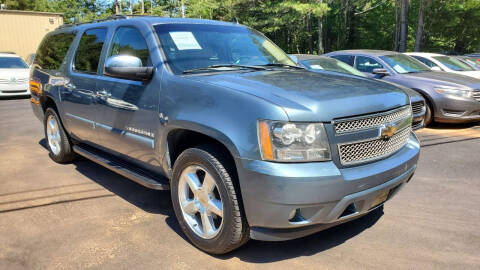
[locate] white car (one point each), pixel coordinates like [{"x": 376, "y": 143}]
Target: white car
[
  {"x": 14, "y": 74},
  {"x": 446, "y": 63}
]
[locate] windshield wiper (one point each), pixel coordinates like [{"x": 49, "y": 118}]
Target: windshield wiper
[
  {"x": 214, "y": 67},
  {"x": 281, "y": 65}
]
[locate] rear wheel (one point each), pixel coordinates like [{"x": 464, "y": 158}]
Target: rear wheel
[
  {"x": 58, "y": 143},
  {"x": 206, "y": 203}
]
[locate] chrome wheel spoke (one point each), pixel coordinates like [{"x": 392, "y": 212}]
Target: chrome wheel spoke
[
  {"x": 53, "y": 135},
  {"x": 190, "y": 207},
  {"x": 201, "y": 207},
  {"x": 208, "y": 184},
  {"x": 215, "y": 206},
  {"x": 207, "y": 224},
  {"x": 193, "y": 182}
]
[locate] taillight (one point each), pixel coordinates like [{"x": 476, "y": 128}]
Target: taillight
[
  {"x": 35, "y": 91},
  {"x": 35, "y": 87}
]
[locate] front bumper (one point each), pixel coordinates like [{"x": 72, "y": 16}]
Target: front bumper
[
  {"x": 451, "y": 109},
  {"x": 321, "y": 193},
  {"x": 14, "y": 90}
]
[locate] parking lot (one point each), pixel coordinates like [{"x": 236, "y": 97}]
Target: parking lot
[{"x": 82, "y": 215}]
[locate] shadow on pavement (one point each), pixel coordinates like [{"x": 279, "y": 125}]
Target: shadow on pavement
[
  {"x": 15, "y": 97},
  {"x": 453, "y": 126},
  {"x": 149, "y": 200},
  {"x": 265, "y": 252},
  {"x": 159, "y": 202}
]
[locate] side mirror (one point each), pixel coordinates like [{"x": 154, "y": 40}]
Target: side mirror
[
  {"x": 380, "y": 71},
  {"x": 436, "y": 68},
  {"x": 127, "y": 67}
]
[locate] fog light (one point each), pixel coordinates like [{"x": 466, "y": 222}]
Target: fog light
[{"x": 292, "y": 214}]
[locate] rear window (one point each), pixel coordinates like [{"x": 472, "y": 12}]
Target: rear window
[
  {"x": 52, "y": 51},
  {"x": 89, "y": 50},
  {"x": 12, "y": 62}
]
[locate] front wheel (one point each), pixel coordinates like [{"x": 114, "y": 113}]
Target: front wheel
[
  {"x": 428, "y": 114},
  {"x": 206, "y": 203}
]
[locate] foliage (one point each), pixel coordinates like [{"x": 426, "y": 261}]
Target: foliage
[{"x": 451, "y": 26}]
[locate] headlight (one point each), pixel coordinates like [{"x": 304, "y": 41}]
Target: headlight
[
  {"x": 453, "y": 91},
  {"x": 293, "y": 142}
]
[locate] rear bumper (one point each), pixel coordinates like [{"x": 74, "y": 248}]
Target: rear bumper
[{"x": 322, "y": 194}]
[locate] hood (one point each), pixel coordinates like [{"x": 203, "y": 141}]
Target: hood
[
  {"x": 309, "y": 96},
  {"x": 445, "y": 78},
  {"x": 17, "y": 73}
]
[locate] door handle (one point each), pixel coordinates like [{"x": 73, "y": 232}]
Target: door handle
[{"x": 103, "y": 94}]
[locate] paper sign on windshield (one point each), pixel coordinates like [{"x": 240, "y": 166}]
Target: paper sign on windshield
[{"x": 185, "y": 41}]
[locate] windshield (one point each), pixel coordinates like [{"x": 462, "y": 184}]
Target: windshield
[
  {"x": 404, "y": 64},
  {"x": 12, "y": 62},
  {"x": 453, "y": 63},
  {"x": 472, "y": 61},
  {"x": 331, "y": 65},
  {"x": 196, "y": 46}
]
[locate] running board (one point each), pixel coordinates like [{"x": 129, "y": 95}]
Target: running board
[{"x": 128, "y": 171}]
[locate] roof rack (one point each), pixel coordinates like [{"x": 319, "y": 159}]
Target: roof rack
[{"x": 109, "y": 18}]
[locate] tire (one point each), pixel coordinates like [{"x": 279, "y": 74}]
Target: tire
[
  {"x": 58, "y": 143},
  {"x": 428, "y": 114},
  {"x": 232, "y": 231}
]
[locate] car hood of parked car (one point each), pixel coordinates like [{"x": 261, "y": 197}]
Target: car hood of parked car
[
  {"x": 438, "y": 78},
  {"x": 13, "y": 74},
  {"x": 309, "y": 96}
]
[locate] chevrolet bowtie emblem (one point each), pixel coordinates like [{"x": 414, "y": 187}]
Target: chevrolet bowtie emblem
[{"x": 387, "y": 131}]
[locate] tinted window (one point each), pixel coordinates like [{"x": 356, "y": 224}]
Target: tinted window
[
  {"x": 348, "y": 59},
  {"x": 425, "y": 61},
  {"x": 366, "y": 64},
  {"x": 402, "y": 63},
  {"x": 52, "y": 51},
  {"x": 453, "y": 63},
  {"x": 129, "y": 41},
  {"x": 12, "y": 62},
  {"x": 89, "y": 50},
  {"x": 190, "y": 47}
]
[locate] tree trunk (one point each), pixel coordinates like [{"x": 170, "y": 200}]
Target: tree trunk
[
  {"x": 403, "y": 26},
  {"x": 320, "y": 32},
  {"x": 397, "y": 25},
  {"x": 310, "y": 34},
  {"x": 419, "y": 35},
  {"x": 320, "y": 35}
]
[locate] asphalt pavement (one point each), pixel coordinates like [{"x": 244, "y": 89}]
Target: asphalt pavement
[{"x": 81, "y": 215}]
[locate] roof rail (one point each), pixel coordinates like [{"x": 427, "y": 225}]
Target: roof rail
[
  {"x": 8, "y": 52},
  {"x": 109, "y": 18}
]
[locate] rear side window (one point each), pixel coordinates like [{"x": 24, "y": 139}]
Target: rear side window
[
  {"x": 89, "y": 50},
  {"x": 52, "y": 51},
  {"x": 129, "y": 41},
  {"x": 347, "y": 59}
]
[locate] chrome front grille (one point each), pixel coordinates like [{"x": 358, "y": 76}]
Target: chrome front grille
[
  {"x": 476, "y": 94},
  {"x": 16, "y": 81},
  {"x": 417, "y": 107},
  {"x": 344, "y": 126},
  {"x": 394, "y": 128},
  {"x": 372, "y": 150}
]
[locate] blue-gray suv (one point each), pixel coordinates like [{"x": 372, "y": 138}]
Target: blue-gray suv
[{"x": 250, "y": 144}]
